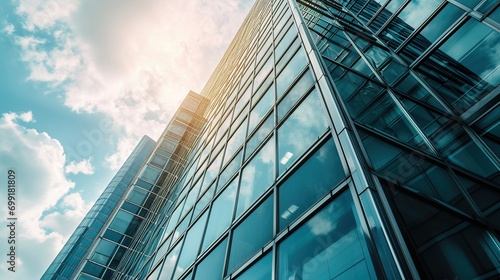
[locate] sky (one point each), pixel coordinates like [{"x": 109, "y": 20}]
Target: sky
[{"x": 81, "y": 82}]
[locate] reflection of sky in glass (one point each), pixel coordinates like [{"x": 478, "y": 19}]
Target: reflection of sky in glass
[
  {"x": 170, "y": 262},
  {"x": 261, "y": 109},
  {"x": 475, "y": 42},
  {"x": 417, "y": 11},
  {"x": 211, "y": 267},
  {"x": 326, "y": 247},
  {"x": 298, "y": 90},
  {"x": 261, "y": 270},
  {"x": 256, "y": 176},
  {"x": 234, "y": 143},
  {"x": 191, "y": 245},
  {"x": 300, "y": 130},
  {"x": 318, "y": 175},
  {"x": 245, "y": 242},
  {"x": 221, "y": 214}
]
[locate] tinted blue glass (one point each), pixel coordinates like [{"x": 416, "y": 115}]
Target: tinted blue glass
[
  {"x": 212, "y": 266},
  {"x": 260, "y": 109},
  {"x": 298, "y": 90},
  {"x": 259, "y": 136},
  {"x": 328, "y": 246},
  {"x": 170, "y": 262},
  {"x": 473, "y": 42},
  {"x": 260, "y": 270},
  {"x": 300, "y": 130},
  {"x": 316, "y": 177},
  {"x": 234, "y": 143},
  {"x": 246, "y": 240},
  {"x": 191, "y": 246},
  {"x": 256, "y": 176},
  {"x": 221, "y": 214},
  {"x": 291, "y": 71}
]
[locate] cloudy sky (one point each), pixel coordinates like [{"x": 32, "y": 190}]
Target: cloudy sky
[{"x": 72, "y": 69}]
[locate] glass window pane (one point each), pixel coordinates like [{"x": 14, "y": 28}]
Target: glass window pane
[
  {"x": 328, "y": 246},
  {"x": 170, "y": 262},
  {"x": 261, "y": 270},
  {"x": 150, "y": 174},
  {"x": 300, "y": 130},
  {"x": 256, "y": 176},
  {"x": 291, "y": 71},
  {"x": 137, "y": 196},
  {"x": 191, "y": 246},
  {"x": 262, "y": 132},
  {"x": 221, "y": 214},
  {"x": 212, "y": 266},
  {"x": 234, "y": 143},
  {"x": 260, "y": 109},
  {"x": 246, "y": 241},
  {"x": 316, "y": 177},
  {"x": 298, "y": 90}
]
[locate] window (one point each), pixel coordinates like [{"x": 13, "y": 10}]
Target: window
[
  {"x": 316, "y": 177},
  {"x": 212, "y": 266},
  {"x": 300, "y": 130},
  {"x": 221, "y": 214},
  {"x": 298, "y": 90},
  {"x": 328, "y": 246},
  {"x": 246, "y": 240},
  {"x": 256, "y": 176},
  {"x": 191, "y": 246},
  {"x": 261, "y": 270}
]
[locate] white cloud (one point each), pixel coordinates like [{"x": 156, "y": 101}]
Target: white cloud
[
  {"x": 38, "y": 161},
  {"x": 84, "y": 167},
  {"x": 133, "y": 61},
  {"x": 8, "y": 28}
]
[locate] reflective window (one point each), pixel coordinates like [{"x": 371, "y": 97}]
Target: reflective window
[
  {"x": 261, "y": 270},
  {"x": 433, "y": 30},
  {"x": 260, "y": 109},
  {"x": 137, "y": 196},
  {"x": 291, "y": 71},
  {"x": 316, "y": 177},
  {"x": 221, "y": 214},
  {"x": 453, "y": 70},
  {"x": 246, "y": 240},
  {"x": 256, "y": 176},
  {"x": 229, "y": 171},
  {"x": 298, "y": 90},
  {"x": 259, "y": 136},
  {"x": 328, "y": 246},
  {"x": 449, "y": 247},
  {"x": 234, "y": 143},
  {"x": 300, "y": 130},
  {"x": 191, "y": 246},
  {"x": 408, "y": 20},
  {"x": 212, "y": 266},
  {"x": 170, "y": 262},
  {"x": 150, "y": 174}
]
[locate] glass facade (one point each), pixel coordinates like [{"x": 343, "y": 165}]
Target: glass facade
[
  {"x": 344, "y": 140},
  {"x": 77, "y": 247}
]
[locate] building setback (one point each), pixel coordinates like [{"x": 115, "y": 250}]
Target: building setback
[{"x": 343, "y": 140}]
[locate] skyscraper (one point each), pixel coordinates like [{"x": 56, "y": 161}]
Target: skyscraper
[
  {"x": 344, "y": 140},
  {"x": 77, "y": 247},
  {"x": 99, "y": 242}
]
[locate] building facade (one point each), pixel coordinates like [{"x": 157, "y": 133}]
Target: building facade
[
  {"x": 99, "y": 243},
  {"x": 344, "y": 140},
  {"x": 77, "y": 247}
]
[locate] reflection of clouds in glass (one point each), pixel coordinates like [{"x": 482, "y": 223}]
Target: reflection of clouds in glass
[
  {"x": 266, "y": 155},
  {"x": 247, "y": 186},
  {"x": 321, "y": 224},
  {"x": 303, "y": 126},
  {"x": 418, "y": 10}
]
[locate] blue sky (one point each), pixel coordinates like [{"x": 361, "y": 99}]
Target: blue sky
[{"x": 73, "y": 71}]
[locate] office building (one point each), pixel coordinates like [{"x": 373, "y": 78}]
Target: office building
[
  {"x": 77, "y": 246},
  {"x": 99, "y": 243},
  {"x": 344, "y": 140}
]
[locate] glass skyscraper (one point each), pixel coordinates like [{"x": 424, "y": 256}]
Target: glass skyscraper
[
  {"x": 344, "y": 140},
  {"x": 77, "y": 247}
]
